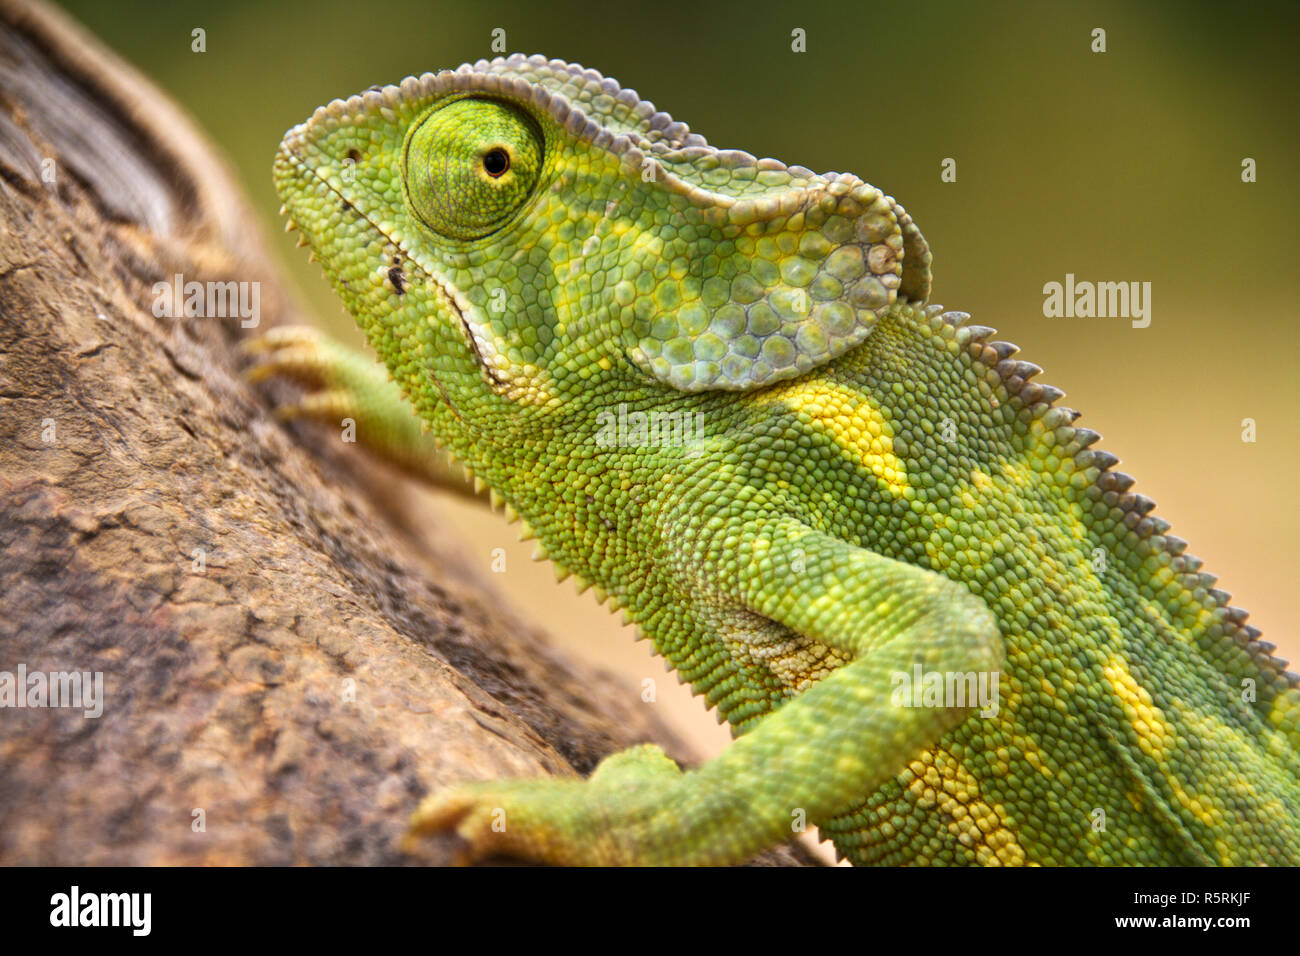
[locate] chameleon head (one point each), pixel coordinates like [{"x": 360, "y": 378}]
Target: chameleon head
[{"x": 521, "y": 226}]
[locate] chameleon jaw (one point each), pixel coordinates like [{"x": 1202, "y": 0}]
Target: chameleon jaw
[{"x": 291, "y": 168}]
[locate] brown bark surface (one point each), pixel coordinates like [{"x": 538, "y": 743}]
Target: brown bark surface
[{"x": 325, "y": 665}]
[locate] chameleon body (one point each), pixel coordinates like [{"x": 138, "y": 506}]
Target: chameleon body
[{"x": 712, "y": 389}]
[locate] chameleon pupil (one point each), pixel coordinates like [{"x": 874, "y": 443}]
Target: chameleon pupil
[{"x": 496, "y": 162}]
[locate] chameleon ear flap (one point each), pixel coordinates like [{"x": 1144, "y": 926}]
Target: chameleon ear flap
[{"x": 799, "y": 269}]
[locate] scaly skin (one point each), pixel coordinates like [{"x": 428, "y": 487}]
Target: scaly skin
[{"x": 871, "y": 485}]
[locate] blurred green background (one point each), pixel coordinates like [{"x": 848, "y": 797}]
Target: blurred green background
[{"x": 1121, "y": 166}]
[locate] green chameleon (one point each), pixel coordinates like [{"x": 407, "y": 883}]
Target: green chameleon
[{"x": 710, "y": 386}]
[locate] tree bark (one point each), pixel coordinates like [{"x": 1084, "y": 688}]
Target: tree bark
[{"x": 287, "y": 667}]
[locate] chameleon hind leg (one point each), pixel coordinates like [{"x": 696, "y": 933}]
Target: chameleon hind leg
[
  {"x": 814, "y": 757},
  {"x": 342, "y": 383}
]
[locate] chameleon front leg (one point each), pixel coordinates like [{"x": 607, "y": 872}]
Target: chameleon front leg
[
  {"x": 819, "y": 753},
  {"x": 343, "y": 383}
]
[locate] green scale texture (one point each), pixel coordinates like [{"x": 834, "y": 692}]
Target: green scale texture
[{"x": 822, "y": 484}]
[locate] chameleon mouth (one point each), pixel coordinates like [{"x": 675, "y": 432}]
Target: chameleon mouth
[
  {"x": 296, "y": 177},
  {"x": 291, "y": 168}
]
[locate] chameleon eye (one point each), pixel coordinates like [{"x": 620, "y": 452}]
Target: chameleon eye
[{"x": 470, "y": 165}]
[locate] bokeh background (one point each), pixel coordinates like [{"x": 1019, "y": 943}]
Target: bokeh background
[{"x": 1118, "y": 166}]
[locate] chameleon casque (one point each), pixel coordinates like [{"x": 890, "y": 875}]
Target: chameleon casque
[{"x": 872, "y": 486}]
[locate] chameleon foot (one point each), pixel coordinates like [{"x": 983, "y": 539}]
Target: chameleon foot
[
  {"x": 341, "y": 384},
  {"x": 335, "y": 376},
  {"x": 621, "y": 815}
]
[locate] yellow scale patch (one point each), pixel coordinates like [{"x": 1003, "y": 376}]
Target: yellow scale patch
[
  {"x": 941, "y": 782},
  {"x": 851, "y": 421},
  {"x": 1155, "y": 737},
  {"x": 1285, "y": 715},
  {"x": 1019, "y": 474}
]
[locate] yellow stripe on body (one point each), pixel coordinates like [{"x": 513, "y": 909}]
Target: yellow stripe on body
[{"x": 849, "y": 419}]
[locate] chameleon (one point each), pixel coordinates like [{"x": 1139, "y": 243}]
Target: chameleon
[{"x": 712, "y": 389}]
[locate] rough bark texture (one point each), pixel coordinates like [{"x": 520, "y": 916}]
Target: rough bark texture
[{"x": 325, "y": 666}]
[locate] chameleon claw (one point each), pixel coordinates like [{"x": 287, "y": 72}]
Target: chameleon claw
[{"x": 460, "y": 814}]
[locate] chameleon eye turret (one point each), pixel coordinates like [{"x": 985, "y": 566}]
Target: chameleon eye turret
[{"x": 470, "y": 165}]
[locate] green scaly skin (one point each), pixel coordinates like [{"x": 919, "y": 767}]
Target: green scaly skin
[{"x": 871, "y": 485}]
